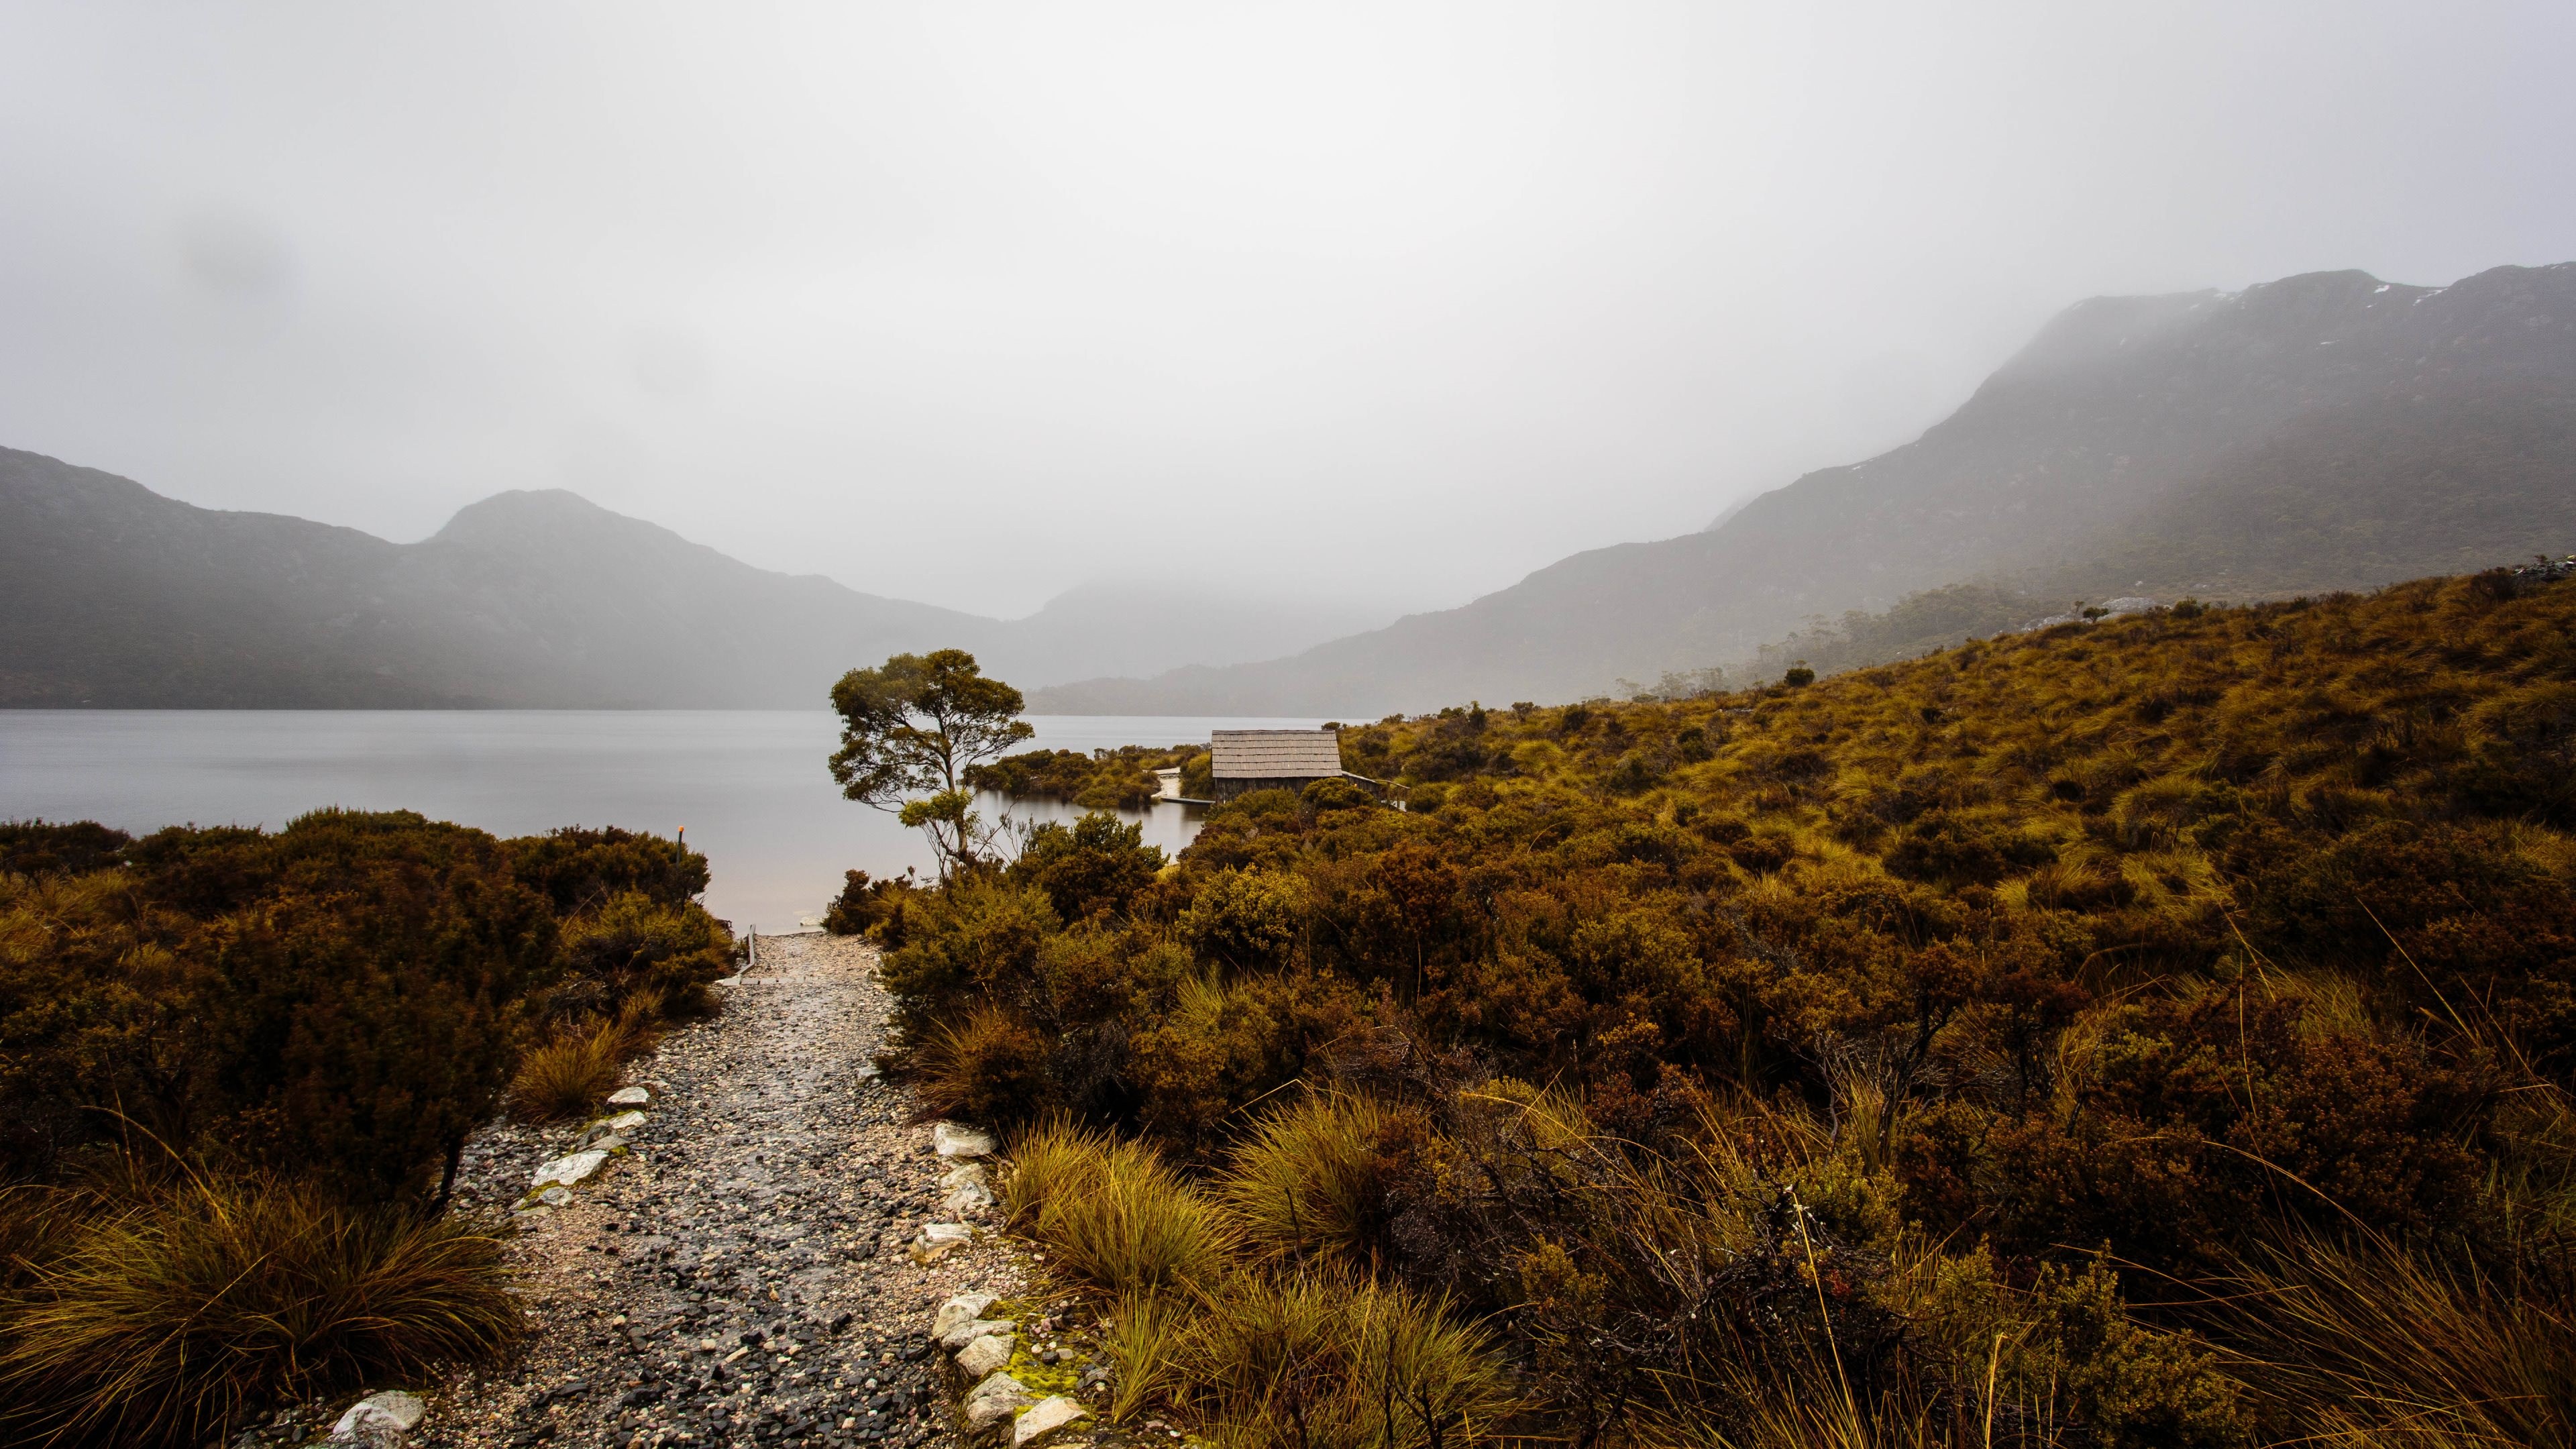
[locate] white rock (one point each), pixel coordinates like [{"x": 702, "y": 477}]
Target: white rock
[
  {"x": 984, "y": 1355},
  {"x": 1041, "y": 1422},
  {"x": 937, "y": 1239},
  {"x": 629, "y": 1097},
  {"x": 972, "y": 1198},
  {"x": 964, "y": 1308},
  {"x": 555, "y": 1197},
  {"x": 951, "y": 1140},
  {"x": 380, "y": 1420},
  {"x": 995, "y": 1399},
  {"x": 625, "y": 1122},
  {"x": 964, "y": 1173},
  {"x": 960, "y": 1335},
  {"x": 570, "y": 1168}
]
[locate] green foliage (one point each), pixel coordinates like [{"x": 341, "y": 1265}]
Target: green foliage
[
  {"x": 1097, "y": 867},
  {"x": 341, "y": 1002},
  {"x": 872, "y": 908},
  {"x": 579, "y": 869},
  {"x": 911, "y": 729}
]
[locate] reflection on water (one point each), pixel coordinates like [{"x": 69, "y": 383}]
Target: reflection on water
[{"x": 749, "y": 786}]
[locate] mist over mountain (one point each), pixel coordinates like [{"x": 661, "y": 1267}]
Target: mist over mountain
[
  {"x": 114, "y": 596},
  {"x": 2324, "y": 431}
]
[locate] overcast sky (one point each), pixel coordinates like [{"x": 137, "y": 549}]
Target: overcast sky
[{"x": 974, "y": 302}]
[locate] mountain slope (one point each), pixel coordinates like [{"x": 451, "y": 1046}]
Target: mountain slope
[
  {"x": 114, "y": 596},
  {"x": 2327, "y": 430}
]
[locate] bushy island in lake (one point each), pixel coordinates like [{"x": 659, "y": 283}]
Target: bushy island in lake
[
  {"x": 237, "y": 1070},
  {"x": 2152, "y": 1032}
]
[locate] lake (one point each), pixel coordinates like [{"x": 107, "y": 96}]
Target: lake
[{"x": 750, "y": 786}]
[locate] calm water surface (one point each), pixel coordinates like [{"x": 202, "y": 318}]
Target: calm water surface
[{"x": 750, "y": 786}]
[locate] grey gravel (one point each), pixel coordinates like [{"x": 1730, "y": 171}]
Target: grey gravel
[{"x": 739, "y": 1277}]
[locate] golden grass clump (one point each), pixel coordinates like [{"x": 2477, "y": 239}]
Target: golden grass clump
[
  {"x": 567, "y": 1076},
  {"x": 161, "y": 1319},
  {"x": 1119, "y": 1219},
  {"x": 1326, "y": 1359},
  {"x": 1305, "y": 1181},
  {"x": 1203, "y": 1330}
]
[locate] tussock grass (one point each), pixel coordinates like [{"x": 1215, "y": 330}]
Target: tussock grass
[
  {"x": 161, "y": 1319},
  {"x": 1118, "y": 1218},
  {"x": 1305, "y": 1182},
  {"x": 1145, "y": 1333},
  {"x": 2375, "y": 1342},
  {"x": 1203, "y": 1327},
  {"x": 1326, "y": 1359},
  {"x": 568, "y": 1075}
]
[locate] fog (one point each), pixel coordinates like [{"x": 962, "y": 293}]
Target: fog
[{"x": 972, "y": 303}]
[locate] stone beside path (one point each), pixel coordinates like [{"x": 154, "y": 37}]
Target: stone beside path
[{"x": 738, "y": 1268}]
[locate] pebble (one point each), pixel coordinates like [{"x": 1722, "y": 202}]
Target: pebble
[{"x": 739, "y": 1276}]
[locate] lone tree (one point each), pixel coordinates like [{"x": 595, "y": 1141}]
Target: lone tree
[{"x": 910, "y": 729}]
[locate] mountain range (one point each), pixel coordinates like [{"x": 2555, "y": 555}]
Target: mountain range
[
  {"x": 2325, "y": 431},
  {"x": 113, "y": 596}
]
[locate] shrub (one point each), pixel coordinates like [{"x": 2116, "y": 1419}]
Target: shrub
[
  {"x": 1097, "y": 867},
  {"x": 2169, "y": 932},
  {"x": 1325, "y": 796},
  {"x": 160, "y": 1321},
  {"x": 633, "y": 947},
  {"x": 988, "y": 1068},
  {"x": 76, "y": 847},
  {"x": 872, "y": 908},
  {"x": 1246, "y": 920}
]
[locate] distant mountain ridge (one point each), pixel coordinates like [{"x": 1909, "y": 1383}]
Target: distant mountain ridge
[
  {"x": 2324, "y": 431},
  {"x": 114, "y": 596}
]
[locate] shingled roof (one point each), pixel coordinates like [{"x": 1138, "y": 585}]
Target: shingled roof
[{"x": 1275, "y": 754}]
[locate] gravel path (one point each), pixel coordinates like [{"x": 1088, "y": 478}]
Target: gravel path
[{"x": 741, "y": 1277}]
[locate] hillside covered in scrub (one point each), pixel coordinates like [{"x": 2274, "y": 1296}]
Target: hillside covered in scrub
[{"x": 2153, "y": 1032}]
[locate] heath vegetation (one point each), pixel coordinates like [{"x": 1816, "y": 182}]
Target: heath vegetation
[
  {"x": 237, "y": 1070},
  {"x": 2151, "y": 1032}
]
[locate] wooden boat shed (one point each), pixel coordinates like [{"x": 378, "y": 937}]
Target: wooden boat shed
[{"x": 1243, "y": 761}]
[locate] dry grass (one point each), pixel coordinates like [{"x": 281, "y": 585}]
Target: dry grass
[
  {"x": 2378, "y": 1343},
  {"x": 161, "y": 1320},
  {"x": 567, "y": 1076}
]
